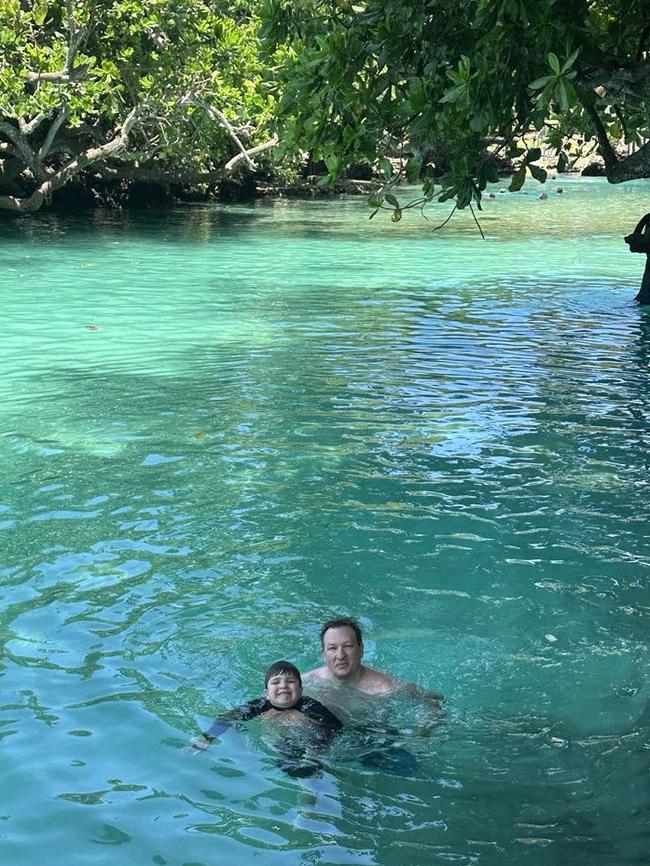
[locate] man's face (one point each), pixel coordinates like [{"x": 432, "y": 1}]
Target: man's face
[
  {"x": 341, "y": 651},
  {"x": 283, "y": 690}
]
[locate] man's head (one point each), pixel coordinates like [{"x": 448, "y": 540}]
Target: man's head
[
  {"x": 283, "y": 685},
  {"x": 342, "y": 647}
]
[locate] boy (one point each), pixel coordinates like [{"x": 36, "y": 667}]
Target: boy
[{"x": 283, "y": 703}]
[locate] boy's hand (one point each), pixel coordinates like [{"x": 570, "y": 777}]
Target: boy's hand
[{"x": 197, "y": 745}]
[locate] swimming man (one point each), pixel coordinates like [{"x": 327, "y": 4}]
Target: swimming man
[{"x": 342, "y": 650}]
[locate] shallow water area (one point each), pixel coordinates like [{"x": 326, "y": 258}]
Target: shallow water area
[{"x": 224, "y": 424}]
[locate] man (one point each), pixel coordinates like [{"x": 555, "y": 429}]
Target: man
[
  {"x": 356, "y": 694},
  {"x": 342, "y": 651}
]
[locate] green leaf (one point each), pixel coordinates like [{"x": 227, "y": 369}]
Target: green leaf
[
  {"x": 327, "y": 181},
  {"x": 464, "y": 197},
  {"x": 454, "y": 94},
  {"x": 477, "y": 123},
  {"x": 387, "y": 167},
  {"x": 533, "y": 154},
  {"x": 540, "y": 83},
  {"x": 417, "y": 99},
  {"x": 390, "y": 198},
  {"x": 562, "y": 95},
  {"x": 538, "y": 173},
  {"x": 554, "y": 63},
  {"x": 491, "y": 173},
  {"x": 571, "y": 93},
  {"x": 40, "y": 12},
  {"x": 562, "y": 161},
  {"x": 518, "y": 179},
  {"x": 334, "y": 164},
  {"x": 414, "y": 169},
  {"x": 570, "y": 61}
]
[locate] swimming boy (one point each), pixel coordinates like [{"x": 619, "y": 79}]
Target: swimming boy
[{"x": 283, "y": 703}]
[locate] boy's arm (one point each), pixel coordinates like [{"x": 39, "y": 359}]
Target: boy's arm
[{"x": 240, "y": 714}]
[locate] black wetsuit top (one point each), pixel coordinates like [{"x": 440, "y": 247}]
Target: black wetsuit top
[
  {"x": 328, "y": 724},
  {"x": 298, "y": 757}
]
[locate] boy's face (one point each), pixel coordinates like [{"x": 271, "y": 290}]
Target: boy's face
[{"x": 283, "y": 690}]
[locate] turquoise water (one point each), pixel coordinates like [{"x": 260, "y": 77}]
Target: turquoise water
[{"x": 222, "y": 425}]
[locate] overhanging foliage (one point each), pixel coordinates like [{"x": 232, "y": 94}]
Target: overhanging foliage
[{"x": 459, "y": 82}]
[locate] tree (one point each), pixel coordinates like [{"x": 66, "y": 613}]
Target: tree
[
  {"x": 457, "y": 83},
  {"x": 159, "y": 90}
]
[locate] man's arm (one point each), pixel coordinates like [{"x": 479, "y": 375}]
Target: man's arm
[{"x": 417, "y": 693}]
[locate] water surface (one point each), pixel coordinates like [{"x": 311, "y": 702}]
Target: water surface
[{"x": 223, "y": 424}]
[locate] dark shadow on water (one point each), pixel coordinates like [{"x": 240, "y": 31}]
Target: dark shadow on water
[{"x": 181, "y": 224}]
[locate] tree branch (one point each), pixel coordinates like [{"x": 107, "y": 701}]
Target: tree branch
[
  {"x": 230, "y": 166},
  {"x": 161, "y": 174},
  {"x": 636, "y": 166},
  {"x": 604, "y": 147},
  {"x": 28, "y": 128},
  {"x": 642, "y": 40},
  {"x": 76, "y": 33},
  {"x": 23, "y": 149},
  {"x": 51, "y": 134},
  {"x": 62, "y": 176},
  {"x": 35, "y": 77},
  {"x": 158, "y": 175},
  {"x": 617, "y": 78},
  {"x": 223, "y": 121}
]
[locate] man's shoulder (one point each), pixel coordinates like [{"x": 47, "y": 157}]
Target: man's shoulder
[
  {"x": 316, "y": 674},
  {"x": 377, "y": 682}
]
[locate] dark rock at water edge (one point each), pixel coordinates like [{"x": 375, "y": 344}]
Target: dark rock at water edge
[{"x": 594, "y": 169}]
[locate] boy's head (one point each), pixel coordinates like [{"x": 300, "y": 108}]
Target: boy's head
[{"x": 283, "y": 685}]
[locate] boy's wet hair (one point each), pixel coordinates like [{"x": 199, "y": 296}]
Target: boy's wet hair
[
  {"x": 341, "y": 622},
  {"x": 281, "y": 667}
]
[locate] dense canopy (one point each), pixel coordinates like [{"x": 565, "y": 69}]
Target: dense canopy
[
  {"x": 179, "y": 90},
  {"x": 460, "y": 82},
  {"x": 143, "y": 89}
]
